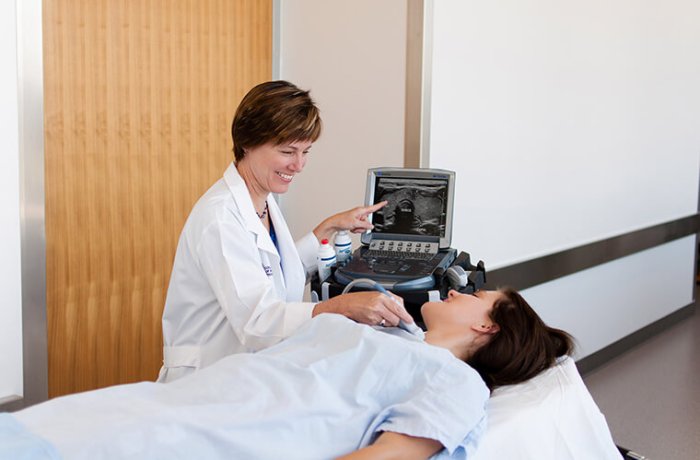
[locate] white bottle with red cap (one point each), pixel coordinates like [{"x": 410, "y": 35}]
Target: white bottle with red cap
[{"x": 326, "y": 259}]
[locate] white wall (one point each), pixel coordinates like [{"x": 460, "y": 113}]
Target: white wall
[
  {"x": 351, "y": 55},
  {"x": 601, "y": 305},
  {"x": 576, "y": 121},
  {"x": 11, "y": 381}
]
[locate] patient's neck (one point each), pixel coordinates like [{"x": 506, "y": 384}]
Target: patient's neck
[{"x": 460, "y": 343}]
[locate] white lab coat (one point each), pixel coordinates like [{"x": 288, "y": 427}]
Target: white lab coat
[{"x": 230, "y": 290}]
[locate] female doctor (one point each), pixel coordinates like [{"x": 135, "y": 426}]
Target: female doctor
[{"x": 238, "y": 277}]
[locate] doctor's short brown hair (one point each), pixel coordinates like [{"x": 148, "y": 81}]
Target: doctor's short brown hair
[{"x": 274, "y": 112}]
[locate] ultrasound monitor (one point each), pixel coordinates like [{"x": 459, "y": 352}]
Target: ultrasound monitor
[
  {"x": 412, "y": 232},
  {"x": 419, "y": 208}
]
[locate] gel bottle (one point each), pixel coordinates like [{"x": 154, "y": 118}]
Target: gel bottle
[
  {"x": 343, "y": 247},
  {"x": 326, "y": 259}
]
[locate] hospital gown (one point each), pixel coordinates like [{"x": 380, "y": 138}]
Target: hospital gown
[{"x": 330, "y": 389}]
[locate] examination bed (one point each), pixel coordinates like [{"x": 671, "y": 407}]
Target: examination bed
[{"x": 551, "y": 416}]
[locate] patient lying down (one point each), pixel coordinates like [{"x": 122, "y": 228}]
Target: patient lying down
[{"x": 335, "y": 388}]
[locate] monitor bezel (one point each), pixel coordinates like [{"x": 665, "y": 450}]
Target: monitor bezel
[{"x": 415, "y": 173}]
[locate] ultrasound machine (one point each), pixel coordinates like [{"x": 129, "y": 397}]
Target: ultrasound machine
[{"x": 408, "y": 251}]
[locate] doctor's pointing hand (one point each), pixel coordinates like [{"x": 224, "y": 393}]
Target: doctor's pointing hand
[{"x": 238, "y": 277}]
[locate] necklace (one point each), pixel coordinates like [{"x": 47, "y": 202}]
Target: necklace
[{"x": 262, "y": 214}]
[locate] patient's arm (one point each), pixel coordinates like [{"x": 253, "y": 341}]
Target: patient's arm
[{"x": 391, "y": 445}]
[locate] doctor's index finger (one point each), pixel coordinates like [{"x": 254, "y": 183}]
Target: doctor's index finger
[{"x": 375, "y": 207}]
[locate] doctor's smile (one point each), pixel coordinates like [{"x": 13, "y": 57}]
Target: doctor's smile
[
  {"x": 286, "y": 177},
  {"x": 270, "y": 168}
]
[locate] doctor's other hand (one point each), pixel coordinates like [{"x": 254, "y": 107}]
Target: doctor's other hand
[
  {"x": 354, "y": 220},
  {"x": 367, "y": 307}
]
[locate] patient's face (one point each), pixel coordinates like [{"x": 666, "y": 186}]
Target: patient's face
[{"x": 460, "y": 309}]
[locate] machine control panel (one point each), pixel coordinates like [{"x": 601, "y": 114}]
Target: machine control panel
[{"x": 399, "y": 248}]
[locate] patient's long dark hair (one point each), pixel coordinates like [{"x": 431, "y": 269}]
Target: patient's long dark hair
[{"x": 523, "y": 347}]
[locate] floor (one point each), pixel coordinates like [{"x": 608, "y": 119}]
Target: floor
[{"x": 650, "y": 395}]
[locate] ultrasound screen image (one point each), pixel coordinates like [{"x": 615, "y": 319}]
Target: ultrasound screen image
[{"x": 416, "y": 206}]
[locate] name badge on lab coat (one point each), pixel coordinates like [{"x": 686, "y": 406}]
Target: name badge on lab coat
[{"x": 268, "y": 270}]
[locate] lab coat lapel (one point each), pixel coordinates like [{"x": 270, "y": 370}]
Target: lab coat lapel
[
  {"x": 251, "y": 220},
  {"x": 292, "y": 269}
]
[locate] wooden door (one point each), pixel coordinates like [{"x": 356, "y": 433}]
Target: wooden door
[{"x": 139, "y": 97}]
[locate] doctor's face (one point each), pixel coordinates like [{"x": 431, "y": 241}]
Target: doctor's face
[
  {"x": 274, "y": 167},
  {"x": 459, "y": 310}
]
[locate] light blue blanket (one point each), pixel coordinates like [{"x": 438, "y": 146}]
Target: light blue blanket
[
  {"x": 17, "y": 443},
  {"x": 328, "y": 390}
]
